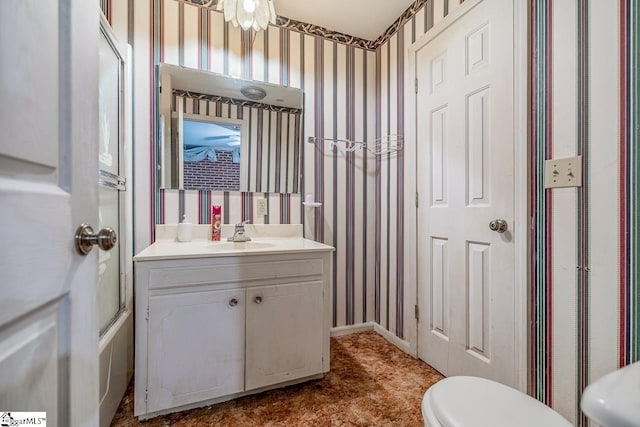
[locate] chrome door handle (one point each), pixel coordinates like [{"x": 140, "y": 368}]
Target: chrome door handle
[
  {"x": 498, "y": 225},
  {"x": 258, "y": 300},
  {"x": 85, "y": 238},
  {"x": 233, "y": 302}
]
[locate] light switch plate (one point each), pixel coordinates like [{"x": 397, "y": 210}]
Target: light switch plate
[
  {"x": 566, "y": 172},
  {"x": 261, "y": 207}
]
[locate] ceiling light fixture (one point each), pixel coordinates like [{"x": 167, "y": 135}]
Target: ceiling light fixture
[
  {"x": 254, "y": 93},
  {"x": 248, "y": 14}
]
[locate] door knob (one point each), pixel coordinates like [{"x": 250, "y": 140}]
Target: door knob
[
  {"x": 498, "y": 225},
  {"x": 85, "y": 239},
  {"x": 258, "y": 300},
  {"x": 233, "y": 302}
]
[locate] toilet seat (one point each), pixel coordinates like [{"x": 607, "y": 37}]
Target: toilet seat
[{"x": 472, "y": 401}]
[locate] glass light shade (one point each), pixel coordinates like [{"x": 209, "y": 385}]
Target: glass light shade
[{"x": 256, "y": 14}]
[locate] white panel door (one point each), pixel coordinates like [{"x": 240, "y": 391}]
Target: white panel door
[
  {"x": 465, "y": 180},
  {"x": 48, "y": 172},
  {"x": 284, "y": 333},
  {"x": 191, "y": 330}
]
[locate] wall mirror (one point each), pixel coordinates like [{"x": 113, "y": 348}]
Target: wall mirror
[{"x": 222, "y": 133}]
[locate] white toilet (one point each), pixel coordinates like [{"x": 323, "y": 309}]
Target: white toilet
[
  {"x": 613, "y": 400},
  {"x": 472, "y": 401}
]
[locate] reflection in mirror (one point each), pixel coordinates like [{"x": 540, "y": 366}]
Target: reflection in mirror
[
  {"x": 211, "y": 154},
  {"x": 227, "y": 134}
]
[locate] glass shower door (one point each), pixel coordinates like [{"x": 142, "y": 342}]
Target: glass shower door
[
  {"x": 115, "y": 281},
  {"x": 111, "y": 185}
]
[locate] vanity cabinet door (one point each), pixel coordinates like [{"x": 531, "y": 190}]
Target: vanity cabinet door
[
  {"x": 284, "y": 333},
  {"x": 195, "y": 347}
]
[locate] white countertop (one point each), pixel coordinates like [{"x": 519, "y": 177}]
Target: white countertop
[{"x": 264, "y": 241}]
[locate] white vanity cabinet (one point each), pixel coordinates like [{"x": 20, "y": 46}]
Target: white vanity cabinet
[
  {"x": 187, "y": 332},
  {"x": 213, "y": 328},
  {"x": 283, "y": 326}
]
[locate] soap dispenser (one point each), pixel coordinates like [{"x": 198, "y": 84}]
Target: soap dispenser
[{"x": 185, "y": 230}]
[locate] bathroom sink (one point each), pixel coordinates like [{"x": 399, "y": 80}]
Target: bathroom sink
[
  {"x": 240, "y": 246},
  {"x": 614, "y": 399}
]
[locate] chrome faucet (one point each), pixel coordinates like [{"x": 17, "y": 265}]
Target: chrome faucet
[{"x": 238, "y": 234}]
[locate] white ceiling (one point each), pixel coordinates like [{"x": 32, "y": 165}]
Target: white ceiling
[{"x": 366, "y": 19}]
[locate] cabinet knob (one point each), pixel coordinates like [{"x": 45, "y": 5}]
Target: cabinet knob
[
  {"x": 233, "y": 302},
  {"x": 258, "y": 300}
]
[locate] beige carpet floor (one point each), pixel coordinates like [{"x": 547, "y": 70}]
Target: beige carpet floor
[{"x": 371, "y": 383}]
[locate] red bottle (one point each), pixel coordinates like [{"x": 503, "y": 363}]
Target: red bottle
[{"x": 216, "y": 222}]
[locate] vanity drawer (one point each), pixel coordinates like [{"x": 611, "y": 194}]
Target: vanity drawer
[{"x": 208, "y": 273}]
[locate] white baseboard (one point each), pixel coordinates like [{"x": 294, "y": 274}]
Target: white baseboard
[
  {"x": 352, "y": 329},
  {"x": 398, "y": 342},
  {"x": 373, "y": 326}
]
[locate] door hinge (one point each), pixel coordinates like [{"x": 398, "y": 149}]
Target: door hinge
[
  {"x": 146, "y": 395},
  {"x": 417, "y": 312},
  {"x": 416, "y": 199},
  {"x": 416, "y": 85},
  {"x": 147, "y": 315}
]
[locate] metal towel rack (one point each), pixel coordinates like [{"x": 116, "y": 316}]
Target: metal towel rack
[{"x": 383, "y": 146}]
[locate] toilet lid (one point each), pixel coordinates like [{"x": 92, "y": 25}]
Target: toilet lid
[{"x": 473, "y": 401}]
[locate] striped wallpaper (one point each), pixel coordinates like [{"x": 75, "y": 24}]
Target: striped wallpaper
[
  {"x": 541, "y": 298},
  {"x": 584, "y": 281},
  {"x": 585, "y": 326},
  {"x": 583, "y": 205},
  {"x": 629, "y": 181},
  {"x": 560, "y": 241}
]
